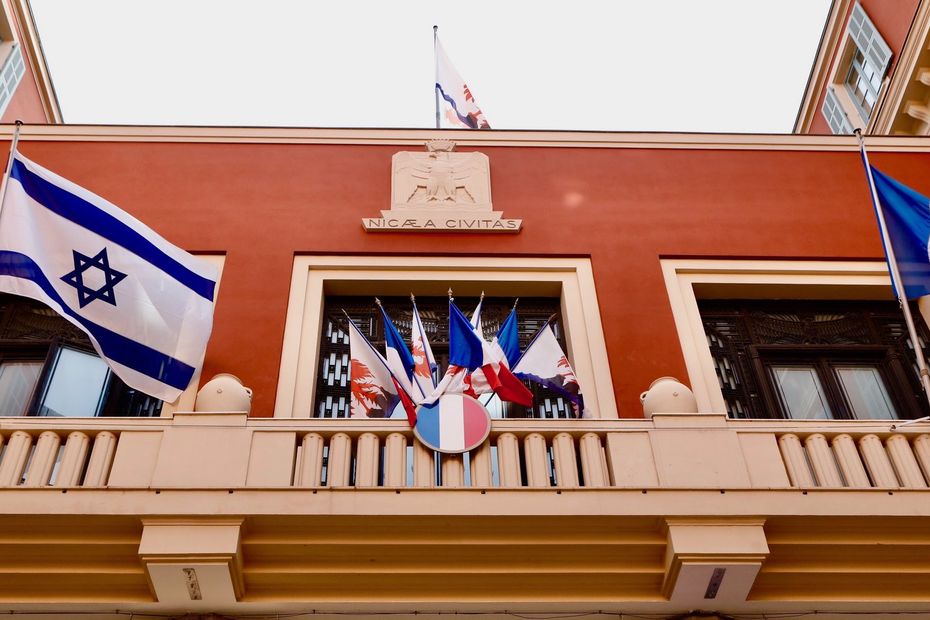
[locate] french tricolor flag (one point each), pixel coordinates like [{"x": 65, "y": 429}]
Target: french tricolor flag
[{"x": 474, "y": 368}]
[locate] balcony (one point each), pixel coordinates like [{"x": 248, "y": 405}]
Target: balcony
[{"x": 683, "y": 511}]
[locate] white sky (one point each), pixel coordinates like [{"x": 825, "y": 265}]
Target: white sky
[{"x": 625, "y": 65}]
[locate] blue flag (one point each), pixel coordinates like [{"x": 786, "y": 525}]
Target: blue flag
[
  {"x": 509, "y": 339},
  {"x": 465, "y": 348},
  {"x": 907, "y": 216}
]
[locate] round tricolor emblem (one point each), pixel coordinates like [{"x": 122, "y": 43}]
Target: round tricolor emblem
[{"x": 453, "y": 424}]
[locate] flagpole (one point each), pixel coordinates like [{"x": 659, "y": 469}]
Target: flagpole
[
  {"x": 436, "y": 64},
  {"x": 9, "y": 163},
  {"x": 895, "y": 272}
]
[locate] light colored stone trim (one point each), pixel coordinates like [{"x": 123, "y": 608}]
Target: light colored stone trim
[
  {"x": 463, "y": 138},
  {"x": 821, "y": 73},
  {"x": 313, "y": 277},
  {"x": 762, "y": 279},
  {"x": 185, "y": 401},
  {"x": 35, "y": 55},
  {"x": 905, "y": 78}
]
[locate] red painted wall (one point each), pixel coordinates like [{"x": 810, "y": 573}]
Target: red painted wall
[
  {"x": 893, "y": 20},
  {"x": 262, "y": 204}
]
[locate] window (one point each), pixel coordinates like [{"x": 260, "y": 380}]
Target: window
[
  {"x": 568, "y": 283},
  {"x": 332, "y": 386},
  {"x": 863, "y": 61},
  {"x": 49, "y": 368},
  {"x": 813, "y": 359}
]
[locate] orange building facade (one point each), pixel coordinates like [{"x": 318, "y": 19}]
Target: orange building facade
[{"x": 787, "y": 473}]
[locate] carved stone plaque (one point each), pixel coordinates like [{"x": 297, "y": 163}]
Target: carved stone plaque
[{"x": 441, "y": 190}]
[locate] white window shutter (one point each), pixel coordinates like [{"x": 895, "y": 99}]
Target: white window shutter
[
  {"x": 835, "y": 115},
  {"x": 866, "y": 37}
]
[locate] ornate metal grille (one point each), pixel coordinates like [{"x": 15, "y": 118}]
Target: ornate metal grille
[
  {"x": 736, "y": 329},
  {"x": 332, "y": 385},
  {"x": 29, "y": 328}
]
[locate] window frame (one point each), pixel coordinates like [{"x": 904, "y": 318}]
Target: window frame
[
  {"x": 840, "y": 107},
  {"x": 569, "y": 279},
  {"x": 686, "y": 280}
]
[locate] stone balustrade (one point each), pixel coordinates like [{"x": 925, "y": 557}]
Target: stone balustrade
[{"x": 676, "y": 451}]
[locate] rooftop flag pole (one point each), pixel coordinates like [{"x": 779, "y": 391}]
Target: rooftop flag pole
[
  {"x": 436, "y": 66},
  {"x": 893, "y": 269}
]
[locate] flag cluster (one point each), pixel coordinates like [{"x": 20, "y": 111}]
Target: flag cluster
[{"x": 476, "y": 366}]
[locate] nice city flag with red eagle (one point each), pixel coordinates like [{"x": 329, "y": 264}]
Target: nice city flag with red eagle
[{"x": 463, "y": 110}]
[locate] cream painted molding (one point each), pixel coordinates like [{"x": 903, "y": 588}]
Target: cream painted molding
[
  {"x": 759, "y": 279},
  {"x": 314, "y": 277},
  {"x": 37, "y": 61},
  {"x": 185, "y": 401},
  {"x": 821, "y": 72},
  {"x": 905, "y": 71},
  {"x": 463, "y": 138}
]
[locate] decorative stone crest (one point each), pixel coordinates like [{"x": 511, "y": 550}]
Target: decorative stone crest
[{"x": 441, "y": 190}]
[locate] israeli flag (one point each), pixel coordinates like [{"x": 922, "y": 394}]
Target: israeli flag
[{"x": 146, "y": 305}]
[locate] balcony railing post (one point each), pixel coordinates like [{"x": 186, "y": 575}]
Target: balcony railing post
[
  {"x": 902, "y": 457},
  {"x": 43, "y": 460},
  {"x": 367, "y": 460},
  {"x": 849, "y": 462},
  {"x": 310, "y": 473},
  {"x": 922, "y": 451},
  {"x": 480, "y": 464},
  {"x": 508, "y": 460},
  {"x": 73, "y": 459},
  {"x": 339, "y": 469},
  {"x": 593, "y": 461},
  {"x": 876, "y": 461},
  {"x": 795, "y": 461},
  {"x": 14, "y": 459},
  {"x": 822, "y": 461},
  {"x": 566, "y": 464},
  {"x": 536, "y": 456},
  {"x": 395, "y": 460},
  {"x": 101, "y": 459}
]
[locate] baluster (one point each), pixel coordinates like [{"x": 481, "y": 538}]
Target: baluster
[
  {"x": 795, "y": 461},
  {"x": 536, "y": 456},
  {"x": 876, "y": 461},
  {"x": 311, "y": 461},
  {"x": 14, "y": 459},
  {"x": 424, "y": 466},
  {"x": 922, "y": 450},
  {"x": 899, "y": 450},
  {"x": 508, "y": 460},
  {"x": 367, "y": 458},
  {"x": 480, "y": 463},
  {"x": 43, "y": 460},
  {"x": 593, "y": 461},
  {"x": 849, "y": 462},
  {"x": 566, "y": 465},
  {"x": 453, "y": 470},
  {"x": 339, "y": 465},
  {"x": 73, "y": 459},
  {"x": 395, "y": 460},
  {"x": 101, "y": 459},
  {"x": 822, "y": 461}
]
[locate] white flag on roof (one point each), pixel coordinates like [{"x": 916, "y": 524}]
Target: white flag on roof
[
  {"x": 463, "y": 110},
  {"x": 146, "y": 305}
]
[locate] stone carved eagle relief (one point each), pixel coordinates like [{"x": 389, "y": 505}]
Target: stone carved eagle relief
[
  {"x": 441, "y": 190},
  {"x": 441, "y": 178}
]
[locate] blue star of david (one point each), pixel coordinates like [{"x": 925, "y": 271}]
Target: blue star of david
[{"x": 111, "y": 277}]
